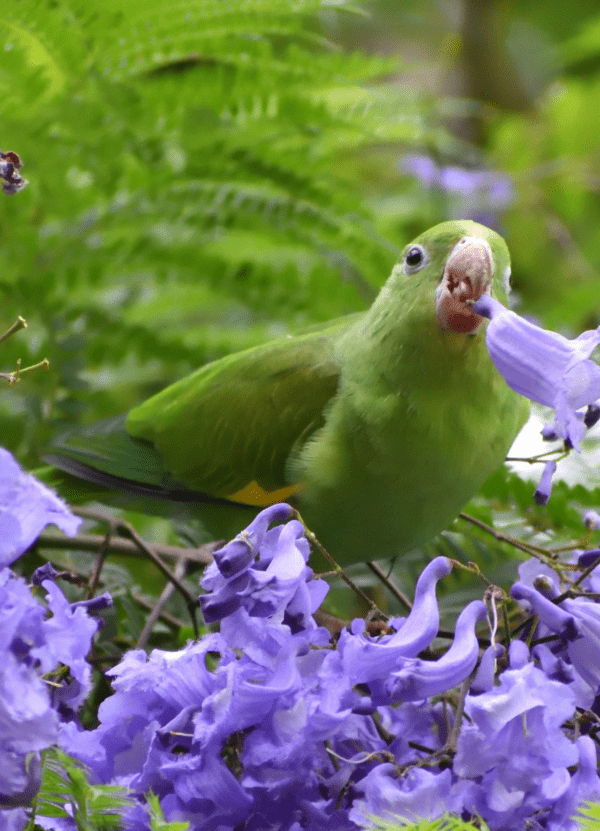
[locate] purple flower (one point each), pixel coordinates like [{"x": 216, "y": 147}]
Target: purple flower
[
  {"x": 484, "y": 679},
  {"x": 418, "y": 795},
  {"x": 389, "y": 665},
  {"x": 512, "y": 752},
  {"x": 575, "y": 620},
  {"x": 544, "y": 489},
  {"x": 584, "y": 652},
  {"x": 591, "y": 520},
  {"x": 474, "y": 194},
  {"x": 583, "y": 787},
  {"x": 419, "y": 679},
  {"x": 366, "y": 658},
  {"x": 45, "y": 572},
  {"x": 26, "y": 507},
  {"x": 281, "y": 706},
  {"x": 14, "y": 819},
  {"x": 555, "y": 618},
  {"x": 264, "y": 572},
  {"x": 244, "y": 549},
  {"x": 544, "y": 366},
  {"x": 268, "y": 726},
  {"x": 32, "y": 644},
  {"x": 587, "y": 558}
]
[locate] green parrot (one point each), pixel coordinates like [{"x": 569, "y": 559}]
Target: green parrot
[{"x": 378, "y": 426}]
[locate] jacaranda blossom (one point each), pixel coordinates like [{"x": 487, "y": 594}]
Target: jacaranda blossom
[
  {"x": 576, "y": 622},
  {"x": 36, "y": 639},
  {"x": 544, "y": 366},
  {"x": 264, "y": 571},
  {"x": 544, "y": 488},
  {"x": 512, "y": 752},
  {"x": 26, "y": 507},
  {"x": 471, "y": 193}
]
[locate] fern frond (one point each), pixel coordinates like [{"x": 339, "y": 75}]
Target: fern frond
[
  {"x": 208, "y": 144},
  {"x": 589, "y": 819},
  {"x": 67, "y": 793},
  {"x": 446, "y": 823}
]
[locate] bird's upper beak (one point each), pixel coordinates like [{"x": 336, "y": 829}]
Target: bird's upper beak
[{"x": 467, "y": 275}]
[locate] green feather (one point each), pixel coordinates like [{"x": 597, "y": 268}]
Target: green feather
[{"x": 379, "y": 426}]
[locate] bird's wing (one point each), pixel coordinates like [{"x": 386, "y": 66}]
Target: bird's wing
[
  {"x": 229, "y": 428},
  {"x": 225, "y": 431}
]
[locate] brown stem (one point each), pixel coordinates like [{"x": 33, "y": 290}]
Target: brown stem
[
  {"x": 119, "y": 545},
  {"x": 534, "y": 550},
  {"x": 191, "y": 600},
  {"x": 180, "y": 570},
  {"x": 390, "y": 585}
]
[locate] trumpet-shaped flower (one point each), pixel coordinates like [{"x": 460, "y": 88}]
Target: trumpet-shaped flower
[
  {"x": 366, "y": 658},
  {"x": 26, "y": 507},
  {"x": 544, "y": 366}
]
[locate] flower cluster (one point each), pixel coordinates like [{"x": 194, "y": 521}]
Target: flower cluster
[
  {"x": 270, "y": 725},
  {"x": 36, "y": 639}
]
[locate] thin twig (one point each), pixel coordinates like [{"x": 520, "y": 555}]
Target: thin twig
[
  {"x": 20, "y": 323},
  {"x": 15, "y": 376},
  {"x": 167, "y": 617},
  {"x": 99, "y": 563},
  {"x": 180, "y": 570},
  {"x": 191, "y": 600},
  {"x": 534, "y": 550},
  {"x": 390, "y": 585},
  {"x": 119, "y": 545},
  {"x": 337, "y": 569}
]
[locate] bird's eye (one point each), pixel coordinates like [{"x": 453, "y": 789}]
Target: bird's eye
[
  {"x": 414, "y": 259},
  {"x": 414, "y": 256}
]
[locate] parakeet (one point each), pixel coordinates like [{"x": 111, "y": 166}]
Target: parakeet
[{"x": 379, "y": 426}]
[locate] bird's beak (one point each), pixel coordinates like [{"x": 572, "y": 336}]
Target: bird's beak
[{"x": 467, "y": 275}]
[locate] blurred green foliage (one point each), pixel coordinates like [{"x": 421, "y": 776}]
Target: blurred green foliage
[
  {"x": 209, "y": 178},
  {"x": 192, "y": 191}
]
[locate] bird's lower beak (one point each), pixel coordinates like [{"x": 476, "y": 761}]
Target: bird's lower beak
[{"x": 467, "y": 275}]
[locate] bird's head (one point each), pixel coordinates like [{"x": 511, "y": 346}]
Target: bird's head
[{"x": 464, "y": 260}]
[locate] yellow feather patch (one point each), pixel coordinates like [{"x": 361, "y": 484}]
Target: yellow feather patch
[{"x": 253, "y": 494}]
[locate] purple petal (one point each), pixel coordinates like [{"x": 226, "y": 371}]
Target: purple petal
[
  {"x": 424, "y": 168},
  {"x": 548, "y": 433},
  {"x": 45, "y": 572},
  {"x": 26, "y": 507},
  {"x": 584, "y": 652},
  {"x": 264, "y": 573},
  {"x": 586, "y": 559},
  {"x": 422, "y": 679},
  {"x": 365, "y": 658},
  {"x": 16, "y": 819},
  {"x": 94, "y": 604},
  {"x": 484, "y": 680},
  {"x": 591, "y": 520},
  {"x": 583, "y": 787},
  {"x": 544, "y": 366},
  {"x": 418, "y": 795},
  {"x": 544, "y": 489},
  {"x": 555, "y": 618},
  {"x": 240, "y": 552}
]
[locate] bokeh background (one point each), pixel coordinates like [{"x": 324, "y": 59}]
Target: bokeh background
[{"x": 206, "y": 175}]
